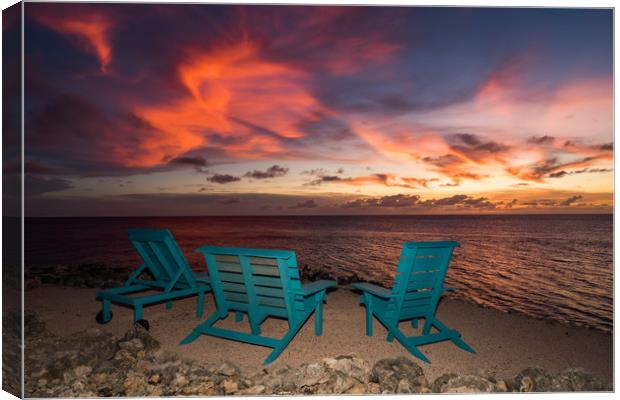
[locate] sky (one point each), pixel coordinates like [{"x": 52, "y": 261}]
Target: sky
[{"x": 279, "y": 110}]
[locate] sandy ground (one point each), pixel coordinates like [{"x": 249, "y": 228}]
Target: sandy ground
[{"x": 505, "y": 343}]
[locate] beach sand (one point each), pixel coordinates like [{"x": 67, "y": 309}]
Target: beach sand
[{"x": 505, "y": 343}]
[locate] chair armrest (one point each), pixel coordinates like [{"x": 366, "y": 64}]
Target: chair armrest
[
  {"x": 373, "y": 289},
  {"x": 314, "y": 287}
]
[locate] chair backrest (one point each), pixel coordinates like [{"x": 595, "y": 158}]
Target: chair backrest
[
  {"x": 162, "y": 256},
  {"x": 256, "y": 281},
  {"x": 418, "y": 285}
]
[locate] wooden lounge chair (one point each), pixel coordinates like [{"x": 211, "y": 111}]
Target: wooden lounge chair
[
  {"x": 260, "y": 283},
  {"x": 169, "y": 274},
  {"x": 418, "y": 286}
]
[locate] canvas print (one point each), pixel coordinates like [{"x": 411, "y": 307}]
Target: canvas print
[{"x": 228, "y": 200}]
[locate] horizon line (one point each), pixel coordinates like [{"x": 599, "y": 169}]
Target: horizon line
[{"x": 313, "y": 215}]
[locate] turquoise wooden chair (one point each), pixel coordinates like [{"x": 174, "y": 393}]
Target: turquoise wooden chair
[
  {"x": 169, "y": 272},
  {"x": 418, "y": 286},
  {"x": 260, "y": 283}
]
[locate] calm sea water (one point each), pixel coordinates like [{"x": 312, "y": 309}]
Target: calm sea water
[{"x": 553, "y": 267}]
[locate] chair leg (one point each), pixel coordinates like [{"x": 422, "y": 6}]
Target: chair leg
[
  {"x": 396, "y": 333},
  {"x": 367, "y": 300},
  {"x": 282, "y": 345},
  {"x": 168, "y": 305},
  {"x": 106, "y": 310},
  {"x": 137, "y": 312},
  {"x": 197, "y": 331},
  {"x": 456, "y": 339},
  {"x": 428, "y": 324},
  {"x": 390, "y": 337},
  {"x": 201, "y": 304},
  {"x": 414, "y": 323},
  {"x": 460, "y": 343},
  {"x": 318, "y": 318},
  {"x": 238, "y": 316},
  {"x": 255, "y": 328},
  {"x": 412, "y": 349}
]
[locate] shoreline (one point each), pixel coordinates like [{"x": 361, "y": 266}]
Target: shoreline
[
  {"x": 103, "y": 276},
  {"x": 505, "y": 343}
]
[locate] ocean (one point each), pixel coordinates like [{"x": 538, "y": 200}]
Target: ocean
[{"x": 556, "y": 267}]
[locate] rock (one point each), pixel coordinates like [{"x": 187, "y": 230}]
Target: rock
[
  {"x": 155, "y": 391},
  {"x": 82, "y": 371},
  {"x": 357, "y": 388},
  {"x": 281, "y": 380},
  {"x": 149, "y": 343},
  {"x": 532, "y": 379},
  {"x": 155, "y": 378},
  {"x": 254, "y": 390},
  {"x": 341, "y": 384},
  {"x": 106, "y": 366},
  {"x": 85, "y": 275},
  {"x": 135, "y": 384},
  {"x": 227, "y": 369},
  {"x": 350, "y": 365},
  {"x": 576, "y": 380},
  {"x": 343, "y": 278},
  {"x": 452, "y": 383},
  {"x": 133, "y": 346},
  {"x": 389, "y": 373},
  {"x": 441, "y": 381},
  {"x": 201, "y": 388},
  {"x": 97, "y": 364},
  {"x": 179, "y": 380},
  {"x": 373, "y": 388},
  {"x": 312, "y": 374},
  {"x": 501, "y": 386},
  {"x": 230, "y": 386}
]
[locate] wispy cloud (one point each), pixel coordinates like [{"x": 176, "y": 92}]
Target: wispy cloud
[{"x": 88, "y": 28}]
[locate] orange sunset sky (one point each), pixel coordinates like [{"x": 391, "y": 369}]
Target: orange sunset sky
[{"x": 238, "y": 110}]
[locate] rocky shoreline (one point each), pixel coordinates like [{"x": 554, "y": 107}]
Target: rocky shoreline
[
  {"x": 84, "y": 275},
  {"x": 105, "y": 276},
  {"x": 96, "y": 363}
]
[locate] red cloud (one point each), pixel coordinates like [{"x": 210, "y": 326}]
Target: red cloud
[
  {"x": 235, "y": 94},
  {"x": 89, "y": 28}
]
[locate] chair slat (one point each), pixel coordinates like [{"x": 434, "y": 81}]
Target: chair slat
[
  {"x": 228, "y": 267},
  {"x": 231, "y": 277},
  {"x": 421, "y": 284},
  {"x": 271, "y": 301},
  {"x": 263, "y": 270},
  {"x": 269, "y": 291},
  {"x": 233, "y": 287},
  {"x": 268, "y": 281},
  {"x": 264, "y": 261},
  {"x": 234, "y": 296}
]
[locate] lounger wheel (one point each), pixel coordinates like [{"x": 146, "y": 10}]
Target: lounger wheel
[
  {"x": 100, "y": 319},
  {"x": 144, "y": 323}
]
